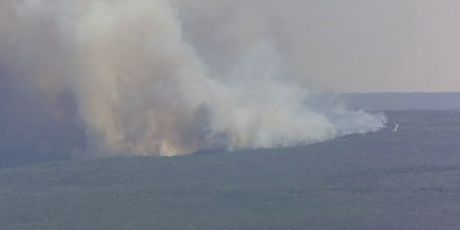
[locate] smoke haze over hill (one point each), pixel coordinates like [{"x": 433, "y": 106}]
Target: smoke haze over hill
[{"x": 118, "y": 77}]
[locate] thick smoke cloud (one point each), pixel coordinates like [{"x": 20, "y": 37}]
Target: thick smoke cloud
[{"x": 112, "y": 77}]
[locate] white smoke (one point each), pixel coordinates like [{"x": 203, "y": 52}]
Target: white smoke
[{"x": 111, "y": 77}]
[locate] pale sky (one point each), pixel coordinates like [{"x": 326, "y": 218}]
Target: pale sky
[
  {"x": 354, "y": 45},
  {"x": 391, "y": 46}
]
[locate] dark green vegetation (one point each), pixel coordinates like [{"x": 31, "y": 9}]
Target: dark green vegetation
[{"x": 404, "y": 180}]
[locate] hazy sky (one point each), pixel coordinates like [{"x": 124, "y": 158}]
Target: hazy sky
[
  {"x": 172, "y": 77},
  {"x": 355, "y": 45}
]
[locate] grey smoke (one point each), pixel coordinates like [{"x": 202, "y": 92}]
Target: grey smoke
[{"x": 111, "y": 77}]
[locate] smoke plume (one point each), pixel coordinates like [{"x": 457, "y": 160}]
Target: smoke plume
[{"x": 113, "y": 77}]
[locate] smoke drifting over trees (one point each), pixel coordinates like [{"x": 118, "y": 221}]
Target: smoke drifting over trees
[{"x": 144, "y": 77}]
